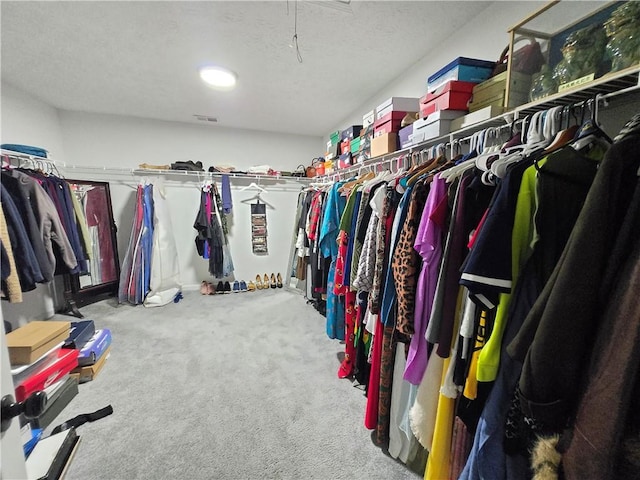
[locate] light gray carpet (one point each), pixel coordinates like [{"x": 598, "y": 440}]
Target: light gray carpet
[{"x": 236, "y": 386}]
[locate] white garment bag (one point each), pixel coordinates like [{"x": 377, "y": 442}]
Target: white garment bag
[{"x": 165, "y": 281}]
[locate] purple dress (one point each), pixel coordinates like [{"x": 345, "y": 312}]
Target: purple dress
[{"x": 428, "y": 244}]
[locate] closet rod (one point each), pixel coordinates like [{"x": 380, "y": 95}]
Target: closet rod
[
  {"x": 152, "y": 172},
  {"x": 630, "y": 89},
  {"x": 34, "y": 161}
]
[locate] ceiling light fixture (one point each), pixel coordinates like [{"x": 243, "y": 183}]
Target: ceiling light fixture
[{"x": 218, "y": 77}]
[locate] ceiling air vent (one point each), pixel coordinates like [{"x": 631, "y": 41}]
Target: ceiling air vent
[{"x": 206, "y": 118}]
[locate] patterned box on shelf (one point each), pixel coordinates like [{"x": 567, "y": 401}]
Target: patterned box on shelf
[
  {"x": 368, "y": 118},
  {"x": 365, "y": 143},
  {"x": 453, "y": 95},
  {"x": 390, "y": 123},
  {"x": 397, "y": 104},
  {"x": 352, "y": 131},
  {"x": 345, "y": 160},
  {"x": 406, "y": 136},
  {"x": 463, "y": 69},
  {"x": 435, "y": 125},
  {"x": 345, "y": 147},
  {"x": 383, "y": 144}
]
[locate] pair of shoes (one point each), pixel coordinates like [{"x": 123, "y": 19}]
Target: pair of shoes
[
  {"x": 207, "y": 288},
  {"x": 223, "y": 287},
  {"x": 260, "y": 284},
  {"x": 239, "y": 286},
  {"x": 188, "y": 166},
  {"x": 251, "y": 287},
  {"x": 276, "y": 282}
]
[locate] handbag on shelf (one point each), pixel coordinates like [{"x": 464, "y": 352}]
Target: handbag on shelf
[
  {"x": 527, "y": 59},
  {"x": 316, "y": 167}
]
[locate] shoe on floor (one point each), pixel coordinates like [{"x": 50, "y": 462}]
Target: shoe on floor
[
  {"x": 211, "y": 290},
  {"x": 273, "y": 281},
  {"x": 236, "y": 287},
  {"x": 227, "y": 287},
  {"x": 279, "y": 278},
  {"x": 251, "y": 287},
  {"x": 243, "y": 286},
  {"x": 259, "y": 284},
  {"x": 204, "y": 288},
  {"x": 220, "y": 287},
  {"x": 265, "y": 281}
]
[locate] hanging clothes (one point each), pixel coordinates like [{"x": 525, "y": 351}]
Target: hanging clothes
[
  {"x": 136, "y": 266},
  {"x": 211, "y": 241}
]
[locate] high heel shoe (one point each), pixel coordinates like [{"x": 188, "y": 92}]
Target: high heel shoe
[
  {"x": 279, "y": 281},
  {"x": 273, "y": 281},
  {"x": 265, "y": 281},
  {"x": 259, "y": 285}
]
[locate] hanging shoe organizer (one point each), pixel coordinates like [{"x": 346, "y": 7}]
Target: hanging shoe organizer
[{"x": 259, "y": 228}]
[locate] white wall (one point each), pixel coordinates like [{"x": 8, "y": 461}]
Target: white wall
[
  {"x": 27, "y": 120},
  {"x": 115, "y": 141},
  {"x": 484, "y": 37}
]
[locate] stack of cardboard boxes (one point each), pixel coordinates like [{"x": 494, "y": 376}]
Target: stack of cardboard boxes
[{"x": 53, "y": 357}]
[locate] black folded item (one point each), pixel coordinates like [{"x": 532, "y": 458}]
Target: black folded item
[
  {"x": 188, "y": 166},
  {"x": 57, "y": 403}
]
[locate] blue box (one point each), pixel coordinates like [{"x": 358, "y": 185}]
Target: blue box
[{"x": 462, "y": 69}]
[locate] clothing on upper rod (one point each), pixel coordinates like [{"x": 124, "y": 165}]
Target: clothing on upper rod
[
  {"x": 46, "y": 230},
  {"x": 430, "y": 282}
]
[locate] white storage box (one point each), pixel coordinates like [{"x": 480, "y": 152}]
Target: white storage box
[
  {"x": 368, "y": 118},
  {"x": 435, "y": 125},
  {"x": 398, "y": 104},
  {"x": 476, "y": 117}
]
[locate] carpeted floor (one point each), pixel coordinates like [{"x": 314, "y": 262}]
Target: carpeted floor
[{"x": 237, "y": 386}]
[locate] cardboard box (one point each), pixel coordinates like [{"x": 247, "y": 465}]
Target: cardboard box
[
  {"x": 351, "y": 132},
  {"x": 368, "y": 118},
  {"x": 462, "y": 68},
  {"x": 355, "y": 145},
  {"x": 383, "y": 144},
  {"x": 476, "y": 117},
  {"x": 435, "y": 125},
  {"x": 67, "y": 360},
  {"x": 56, "y": 403},
  {"x": 493, "y": 91},
  {"x": 390, "y": 123},
  {"x": 90, "y": 372},
  {"x": 452, "y": 95},
  {"x": 406, "y": 135},
  {"x": 28, "y": 343},
  {"x": 397, "y": 104}
]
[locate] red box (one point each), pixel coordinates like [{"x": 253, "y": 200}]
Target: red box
[
  {"x": 49, "y": 373},
  {"x": 390, "y": 123},
  {"x": 453, "y": 95},
  {"x": 345, "y": 147}
]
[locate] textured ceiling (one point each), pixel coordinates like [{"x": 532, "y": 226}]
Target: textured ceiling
[{"x": 142, "y": 58}]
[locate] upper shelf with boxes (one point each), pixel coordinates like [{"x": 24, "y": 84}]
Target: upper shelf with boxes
[{"x": 563, "y": 53}]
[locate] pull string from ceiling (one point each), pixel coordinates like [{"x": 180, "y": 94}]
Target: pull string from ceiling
[{"x": 294, "y": 39}]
